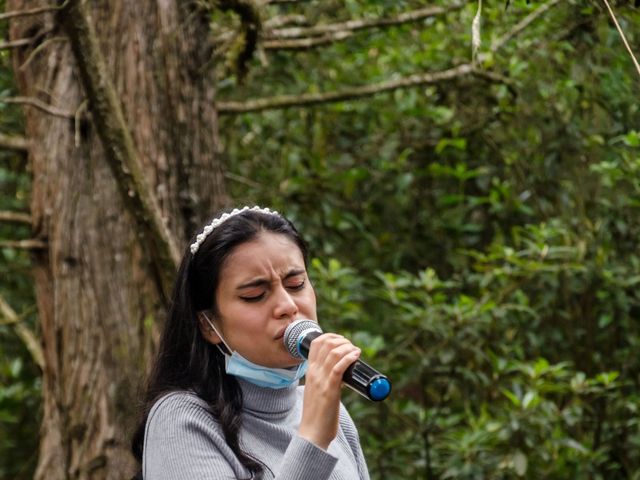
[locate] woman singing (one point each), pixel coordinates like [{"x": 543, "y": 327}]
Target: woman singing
[{"x": 223, "y": 400}]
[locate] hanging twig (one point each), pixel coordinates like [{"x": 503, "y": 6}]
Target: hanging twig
[
  {"x": 40, "y": 48},
  {"x": 624, "y": 38},
  {"x": 475, "y": 33},
  {"x": 522, "y": 24},
  {"x": 23, "y": 332}
]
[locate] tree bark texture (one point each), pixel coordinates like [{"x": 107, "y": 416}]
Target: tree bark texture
[{"x": 99, "y": 299}]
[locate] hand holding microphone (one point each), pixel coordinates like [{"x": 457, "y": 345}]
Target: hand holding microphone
[
  {"x": 332, "y": 361},
  {"x": 359, "y": 376}
]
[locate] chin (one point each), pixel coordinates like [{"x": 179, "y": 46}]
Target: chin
[{"x": 291, "y": 363}]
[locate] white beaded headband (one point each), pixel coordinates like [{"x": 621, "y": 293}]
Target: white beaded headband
[{"x": 223, "y": 218}]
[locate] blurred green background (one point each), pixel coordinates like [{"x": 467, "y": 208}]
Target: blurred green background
[{"x": 478, "y": 238}]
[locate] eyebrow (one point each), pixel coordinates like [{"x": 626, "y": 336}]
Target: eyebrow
[{"x": 263, "y": 281}]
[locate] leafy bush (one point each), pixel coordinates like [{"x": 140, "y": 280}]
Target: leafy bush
[{"x": 470, "y": 399}]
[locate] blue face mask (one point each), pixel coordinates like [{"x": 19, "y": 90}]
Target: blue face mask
[{"x": 237, "y": 365}]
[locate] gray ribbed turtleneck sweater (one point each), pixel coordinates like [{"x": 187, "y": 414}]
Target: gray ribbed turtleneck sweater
[{"x": 184, "y": 441}]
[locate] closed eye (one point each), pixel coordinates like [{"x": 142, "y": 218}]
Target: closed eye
[
  {"x": 297, "y": 286},
  {"x": 253, "y": 298}
]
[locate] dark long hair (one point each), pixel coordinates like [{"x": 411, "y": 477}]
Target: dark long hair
[{"x": 185, "y": 360}]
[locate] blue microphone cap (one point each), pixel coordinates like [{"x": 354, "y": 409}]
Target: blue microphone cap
[{"x": 379, "y": 389}]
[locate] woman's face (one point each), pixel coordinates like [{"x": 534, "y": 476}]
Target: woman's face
[{"x": 263, "y": 287}]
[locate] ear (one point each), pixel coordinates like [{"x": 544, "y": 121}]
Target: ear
[{"x": 207, "y": 332}]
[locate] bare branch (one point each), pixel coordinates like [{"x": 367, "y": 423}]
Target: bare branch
[
  {"x": 22, "y": 42},
  {"x": 13, "y": 142},
  {"x": 25, "y": 42},
  {"x": 24, "y": 333},
  {"x": 522, "y": 24},
  {"x": 241, "y": 179},
  {"x": 29, "y": 244},
  {"x": 39, "y": 104},
  {"x": 354, "y": 25},
  {"x": 283, "y": 2},
  {"x": 493, "y": 77},
  {"x": 15, "y": 217},
  {"x": 40, "y": 48},
  {"x": 33, "y": 11},
  {"x": 282, "y": 20},
  {"x": 118, "y": 143},
  {"x": 306, "y": 43},
  {"x": 305, "y": 100}
]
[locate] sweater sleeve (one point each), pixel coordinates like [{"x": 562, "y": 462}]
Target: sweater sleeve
[
  {"x": 305, "y": 460},
  {"x": 183, "y": 441},
  {"x": 353, "y": 439}
]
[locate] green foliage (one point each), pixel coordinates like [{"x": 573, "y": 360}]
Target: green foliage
[
  {"x": 19, "y": 414},
  {"x": 475, "y": 394},
  {"x": 19, "y": 378},
  {"x": 478, "y": 239}
]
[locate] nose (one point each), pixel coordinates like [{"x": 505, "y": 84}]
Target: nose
[{"x": 285, "y": 306}]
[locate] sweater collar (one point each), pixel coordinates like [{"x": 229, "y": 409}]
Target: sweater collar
[{"x": 272, "y": 401}]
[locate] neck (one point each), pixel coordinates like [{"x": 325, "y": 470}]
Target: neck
[{"x": 267, "y": 401}]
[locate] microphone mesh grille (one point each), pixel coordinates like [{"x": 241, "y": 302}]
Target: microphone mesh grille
[{"x": 293, "y": 332}]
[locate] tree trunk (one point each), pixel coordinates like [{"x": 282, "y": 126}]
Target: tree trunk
[{"x": 98, "y": 300}]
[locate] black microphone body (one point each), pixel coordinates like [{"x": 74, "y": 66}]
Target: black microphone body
[{"x": 361, "y": 377}]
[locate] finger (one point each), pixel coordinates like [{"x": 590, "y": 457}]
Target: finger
[
  {"x": 326, "y": 362},
  {"x": 345, "y": 362},
  {"x": 336, "y": 353},
  {"x": 327, "y": 338},
  {"x": 323, "y": 366},
  {"x": 322, "y": 345}
]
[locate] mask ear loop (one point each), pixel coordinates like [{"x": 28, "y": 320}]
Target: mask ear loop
[{"x": 221, "y": 337}]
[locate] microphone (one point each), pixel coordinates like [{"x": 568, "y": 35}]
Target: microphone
[{"x": 360, "y": 377}]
